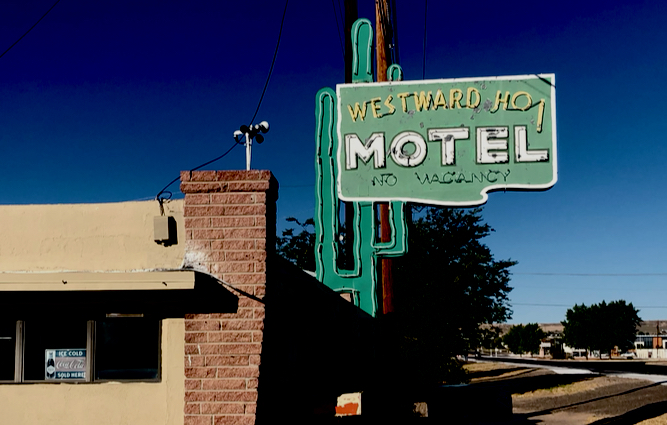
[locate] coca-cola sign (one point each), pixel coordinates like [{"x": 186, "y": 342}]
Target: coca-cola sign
[{"x": 65, "y": 364}]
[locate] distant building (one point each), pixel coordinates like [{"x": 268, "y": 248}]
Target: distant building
[{"x": 651, "y": 346}]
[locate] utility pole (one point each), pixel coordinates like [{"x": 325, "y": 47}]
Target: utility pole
[{"x": 382, "y": 25}]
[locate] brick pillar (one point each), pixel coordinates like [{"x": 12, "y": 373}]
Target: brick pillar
[{"x": 230, "y": 226}]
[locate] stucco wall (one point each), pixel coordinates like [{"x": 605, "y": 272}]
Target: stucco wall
[
  {"x": 142, "y": 403},
  {"x": 95, "y": 237},
  {"x": 87, "y": 237}
]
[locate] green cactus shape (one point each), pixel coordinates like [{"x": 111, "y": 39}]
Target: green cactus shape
[{"x": 361, "y": 279}]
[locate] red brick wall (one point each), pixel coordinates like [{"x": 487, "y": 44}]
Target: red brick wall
[{"x": 230, "y": 226}]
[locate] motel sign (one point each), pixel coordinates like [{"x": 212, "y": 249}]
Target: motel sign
[{"x": 445, "y": 142}]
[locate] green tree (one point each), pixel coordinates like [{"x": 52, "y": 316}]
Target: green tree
[
  {"x": 577, "y": 327},
  {"x": 524, "y": 339},
  {"x": 447, "y": 286},
  {"x": 619, "y": 322},
  {"x": 513, "y": 339},
  {"x": 601, "y": 326},
  {"x": 299, "y": 248}
]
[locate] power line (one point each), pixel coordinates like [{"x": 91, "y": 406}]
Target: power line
[
  {"x": 259, "y": 104},
  {"x": 342, "y": 18},
  {"x": 394, "y": 32},
  {"x": 342, "y": 49},
  {"x": 600, "y": 287},
  {"x": 592, "y": 274},
  {"x": 164, "y": 190},
  {"x": 545, "y": 80},
  {"x": 31, "y": 28},
  {"x": 273, "y": 62},
  {"x": 570, "y": 305},
  {"x": 297, "y": 185}
]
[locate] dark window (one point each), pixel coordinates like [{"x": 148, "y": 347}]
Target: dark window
[
  {"x": 56, "y": 350},
  {"x": 127, "y": 348}
]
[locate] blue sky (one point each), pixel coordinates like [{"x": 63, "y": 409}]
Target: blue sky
[{"x": 107, "y": 101}]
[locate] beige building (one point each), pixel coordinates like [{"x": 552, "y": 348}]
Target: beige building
[
  {"x": 68, "y": 276},
  {"x": 101, "y": 324}
]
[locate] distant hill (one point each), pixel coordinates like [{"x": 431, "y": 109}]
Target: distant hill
[
  {"x": 648, "y": 327},
  {"x": 546, "y": 327}
]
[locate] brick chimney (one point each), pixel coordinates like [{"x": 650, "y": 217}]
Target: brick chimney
[{"x": 230, "y": 219}]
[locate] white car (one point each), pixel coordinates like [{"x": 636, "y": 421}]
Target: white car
[{"x": 629, "y": 355}]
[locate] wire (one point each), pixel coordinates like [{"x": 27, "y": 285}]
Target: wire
[
  {"x": 216, "y": 159},
  {"x": 342, "y": 49},
  {"x": 297, "y": 185},
  {"x": 569, "y": 305},
  {"x": 592, "y": 274},
  {"x": 545, "y": 80},
  {"x": 164, "y": 190},
  {"x": 424, "y": 54},
  {"x": 394, "y": 32},
  {"x": 273, "y": 62},
  {"x": 236, "y": 142},
  {"x": 31, "y": 28}
]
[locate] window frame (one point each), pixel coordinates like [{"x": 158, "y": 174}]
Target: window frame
[{"x": 91, "y": 349}]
